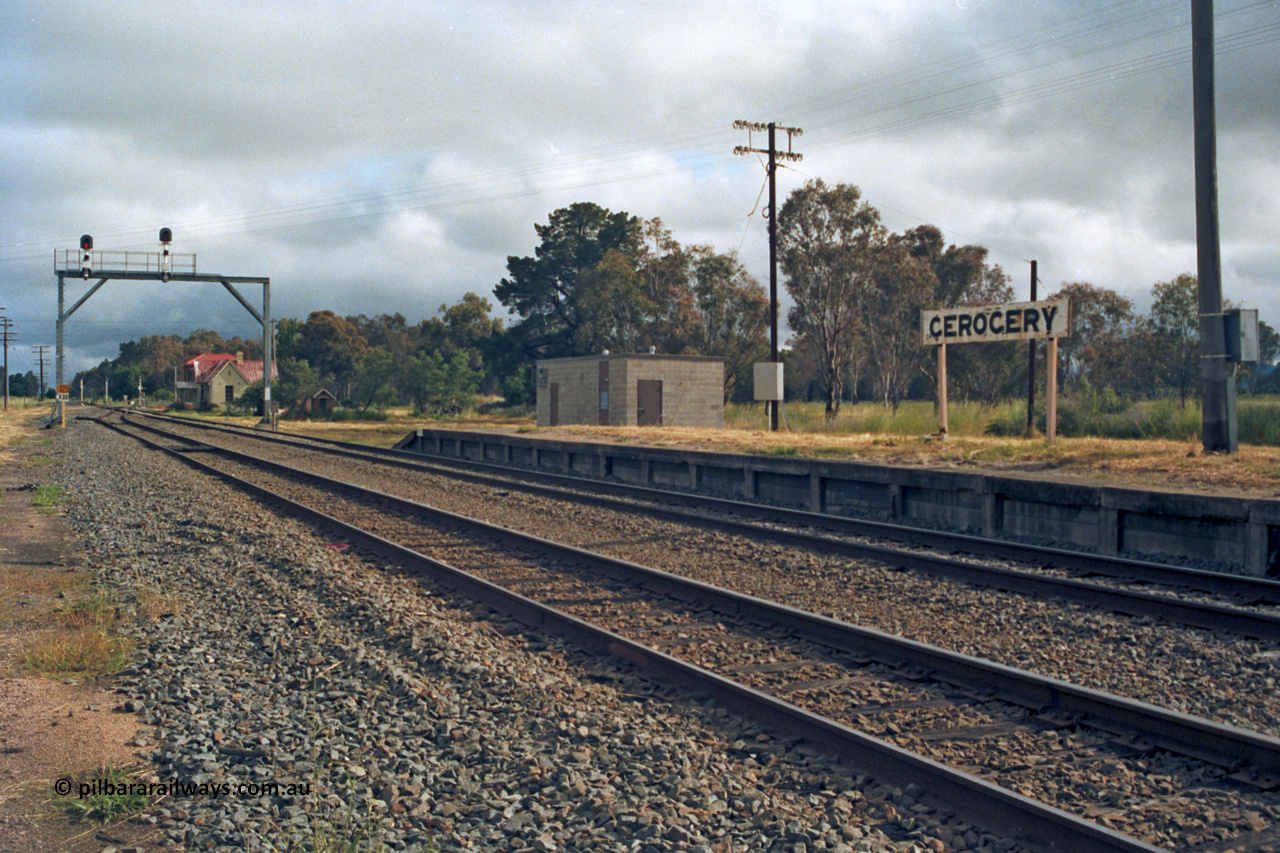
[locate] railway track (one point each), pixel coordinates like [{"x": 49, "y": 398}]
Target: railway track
[
  {"x": 980, "y": 738},
  {"x": 1214, "y": 601}
]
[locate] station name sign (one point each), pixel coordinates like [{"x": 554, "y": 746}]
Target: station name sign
[{"x": 1012, "y": 321}]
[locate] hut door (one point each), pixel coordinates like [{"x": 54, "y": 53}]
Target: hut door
[
  {"x": 649, "y": 402},
  {"x": 554, "y": 404}
]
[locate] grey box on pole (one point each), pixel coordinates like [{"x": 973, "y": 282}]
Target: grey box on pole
[
  {"x": 1242, "y": 334},
  {"x": 767, "y": 380}
]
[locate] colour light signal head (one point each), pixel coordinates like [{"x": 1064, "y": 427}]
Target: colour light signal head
[
  {"x": 166, "y": 260},
  {"x": 86, "y": 246}
]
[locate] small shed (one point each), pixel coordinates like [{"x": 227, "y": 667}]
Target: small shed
[
  {"x": 323, "y": 402},
  {"x": 637, "y": 389}
]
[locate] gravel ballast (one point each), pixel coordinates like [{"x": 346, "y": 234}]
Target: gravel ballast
[
  {"x": 1217, "y": 676},
  {"x": 388, "y": 710}
]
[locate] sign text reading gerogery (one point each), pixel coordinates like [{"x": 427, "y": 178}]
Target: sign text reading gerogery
[{"x": 1012, "y": 321}]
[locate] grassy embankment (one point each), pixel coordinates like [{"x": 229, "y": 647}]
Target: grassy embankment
[{"x": 68, "y": 627}]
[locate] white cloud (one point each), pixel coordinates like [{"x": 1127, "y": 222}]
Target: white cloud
[{"x": 388, "y": 156}]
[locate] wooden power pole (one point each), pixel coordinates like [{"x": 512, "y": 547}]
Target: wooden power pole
[{"x": 774, "y": 156}]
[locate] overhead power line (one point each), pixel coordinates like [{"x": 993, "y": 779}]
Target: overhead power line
[{"x": 613, "y": 162}]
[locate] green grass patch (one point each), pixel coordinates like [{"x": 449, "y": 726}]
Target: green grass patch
[
  {"x": 113, "y": 797},
  {"x": 782, "y": 451},
  {"x": 48, "y": 498},
  {"x": 1259, "y": 420},
  {"x": 913, "y": 417}
]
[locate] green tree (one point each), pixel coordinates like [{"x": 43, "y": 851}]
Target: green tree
[
  {"x": 667, "y": 271},
  {"x": 1100, "y": 350},
  {"x": 438, "y": 385},
  {"x": 296, "y": 382},
  {"x": 333, "y": 346},
  {"x": 125, "y": 379},
  {"x": 468, "y": 325},
  {"x": 1268, "y": 343},
  {"x": 203, "y": 341},
  {"x": 251, "y": 399},
  {"x": 613, "y": 307},
  {"x": 1175, "y": 326},
  {"x": 901, "y": 285},
  {"x": 376, "y": 379},
  {"x": 828, "y": 241},
  {"x": 993, "y": 371},
  {"x": 93, "y": 379},
  {"x": 544, "y": 289},
  {"x": 986, "y": 371},
  {"x": 732, "y": 317},
  {"x": 24, "y": 384},
  {"x": 288, "y": 330},
  {"x": 157, "y": 356},
  {"x": 391, "y": 332},
  {"x": 959, "y": 270}
]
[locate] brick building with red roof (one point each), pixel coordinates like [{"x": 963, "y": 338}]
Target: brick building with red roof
[{"x": 218, "y": 378}]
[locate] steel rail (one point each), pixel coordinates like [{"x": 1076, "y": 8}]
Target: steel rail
[
  {"x": 1206, "y": 615},
  {"x": 1184, "y": 734},
  {"x": 1244, "y": 587},
  {"x": 1032, "y": 823}
]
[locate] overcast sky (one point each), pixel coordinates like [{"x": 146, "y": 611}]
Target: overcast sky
[{"x": 385, "y": 156}]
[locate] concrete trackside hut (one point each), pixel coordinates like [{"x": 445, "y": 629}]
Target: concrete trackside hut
[{"x": 635, "y": 389}]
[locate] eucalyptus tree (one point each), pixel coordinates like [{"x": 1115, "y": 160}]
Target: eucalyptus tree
[
  {"x": 1175, "y": 327},
  {"x": 829, "y": 241}
]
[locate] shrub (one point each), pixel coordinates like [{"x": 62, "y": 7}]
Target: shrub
[{"x": 1006, "y": 424}]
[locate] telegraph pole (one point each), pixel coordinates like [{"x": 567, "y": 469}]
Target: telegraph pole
[
  {"x": 40, "y": 350},
  {"x": 774, "y": 156},
  {"x": 5, "y": 325},
  {"x": 1031, "y": 368},
  {"x": 1218, "y": 429}
]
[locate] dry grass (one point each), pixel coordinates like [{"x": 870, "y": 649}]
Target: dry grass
[
  {"x": 24, "y": 580},
  {"x": 153, "y": 604},
  {"x": 19, "y": 420},
  {"x": 85, "y": 643},
  {"x": 1155, "y": 463},
  {"x": 84, "y": 651},
  {"x": 24, "y": 591},
  {"x": 1161, "y": 463}
]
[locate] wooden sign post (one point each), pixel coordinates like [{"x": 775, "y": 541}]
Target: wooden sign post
[
  {"x": 1013, "y": 321},
  {"x": 1051, "y": 416},
  {"x": 942, "y": 390}
]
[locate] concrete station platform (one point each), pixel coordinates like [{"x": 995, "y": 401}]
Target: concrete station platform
[{"x": 1235, "y": 534}]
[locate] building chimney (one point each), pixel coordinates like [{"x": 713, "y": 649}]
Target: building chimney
[{"x": 239, "y": 356}]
